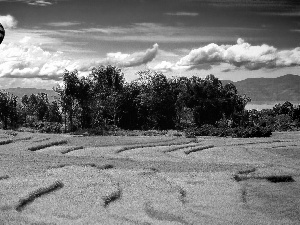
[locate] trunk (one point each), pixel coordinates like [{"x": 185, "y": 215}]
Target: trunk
[
  {"x": 5, "y": 123},
  {"x": 71, "y": 120}
]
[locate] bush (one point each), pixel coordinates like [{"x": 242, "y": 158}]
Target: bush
[
  {"x": 47, "y": 127},
  {"x": 238, "y": 132}
]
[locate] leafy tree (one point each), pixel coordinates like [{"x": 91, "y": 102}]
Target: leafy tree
[
  {"x": 68, "y": 94},
  {"x": 107, "y": 83},
  {"x": 8, "y": 109},
  {"x": 156, "y": 101},
  {"x": 54, "y": 114}
]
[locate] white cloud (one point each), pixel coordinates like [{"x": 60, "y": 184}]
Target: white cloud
[
  {"x": 182, "y": 14},
  {"x": 164, "y": 66},
  {"x": 33, "y": 2},
  {"x": 240, "y": 55},
  {"x": 25, "y": 60},
  {"x": 63, "y": 24},
  {"x": 8, "y": 21},
  {"x": 39, "y": 3},
  {"x": 135, "y": 59}
]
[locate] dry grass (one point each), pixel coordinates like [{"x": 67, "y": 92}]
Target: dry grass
[
  {"x": 163, "y": 215},
  {"x": 38, "y": 193},
  {"x": 196, "y": 149},
  {"x": 47, "y": 145}
]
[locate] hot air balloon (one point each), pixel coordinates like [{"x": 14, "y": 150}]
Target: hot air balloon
[{"x": 2, "y": 33}]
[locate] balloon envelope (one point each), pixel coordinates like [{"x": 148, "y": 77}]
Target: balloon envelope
[{"x": 2, "y": 33}]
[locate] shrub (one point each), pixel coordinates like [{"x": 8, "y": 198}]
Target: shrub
[
  {"x": 238, "y": 132},
  {"x": 49, "y": 127}
]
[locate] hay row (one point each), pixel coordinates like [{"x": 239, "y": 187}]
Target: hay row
[
  {"x": 175, "y": 148},
  {"x": 38, "y": 193},
  {"x": 42, "y": 139},
  {"x": 114, "y": 196},
  {"x": 271, "y": 178},
  {"x": 103, "y": 167},
  {"x": 22, "y": 139},
  {"x": 5, "y": 142},
  {"x": 160, "y": 144},
  {"x": 196, "y": 149},
  {"x": 47, "y": 145},
  {"x": 4, "y": 177},
  {"x": 258, "y": 142},
  {"x": 70, "y": 149}
]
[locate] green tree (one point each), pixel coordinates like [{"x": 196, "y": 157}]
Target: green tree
[
  {"x": 107, "y": 83},
  {"x": 8, "y": 109}
]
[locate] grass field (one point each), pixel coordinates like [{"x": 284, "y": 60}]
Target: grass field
[{"x": 65, "y": 179}]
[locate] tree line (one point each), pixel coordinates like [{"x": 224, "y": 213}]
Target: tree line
[{"x": 104, "y": 101}]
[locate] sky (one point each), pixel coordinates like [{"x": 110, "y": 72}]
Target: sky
[{"x": 232, "y": 39}]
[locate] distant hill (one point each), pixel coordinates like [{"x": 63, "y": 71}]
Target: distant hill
[
  {"x": 284, "y": 88},
  {"x": 20, "y": 92}
]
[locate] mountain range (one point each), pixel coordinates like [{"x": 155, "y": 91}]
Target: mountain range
[
  {"x": 264, "y": 90},
  {"x": 284, "y": 88}
]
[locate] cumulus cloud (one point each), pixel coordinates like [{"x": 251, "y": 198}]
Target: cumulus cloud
[
  {"x": 8, "y": 21},
  {"x": 164, "y": 66},
  {"x": 33, "y": 2},
  {"x": 182, "y": 14},
  {"x": 39, "y": 3},
  {"x": 240, "y": 55},
  {"x": 63, "y": 24},
  {"x": 131, "y": 60},
  {"x": 25, "y": 60}
]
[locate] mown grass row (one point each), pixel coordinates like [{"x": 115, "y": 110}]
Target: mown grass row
[
  {"x": 38, "y": 193},
  {"x": 114, "y": 196},
  {"x": 47, "y": 145},
  {"x": 160, "y": 144},
  {"x": 198, "y": 148}
]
